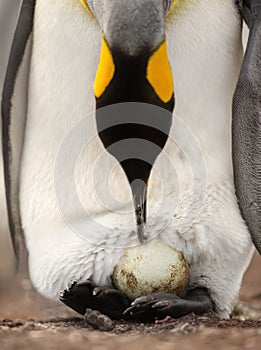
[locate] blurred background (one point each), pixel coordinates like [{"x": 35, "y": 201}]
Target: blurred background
[
  {"x": 31, "y": 303},
  {"x": 8, "y": 17}
]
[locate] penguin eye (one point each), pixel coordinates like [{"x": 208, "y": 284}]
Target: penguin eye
[{"x": 166, "y": 5}]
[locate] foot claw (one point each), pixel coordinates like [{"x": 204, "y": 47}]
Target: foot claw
[
  {"x": 72, "y": 284},
  {"x": 127, "y": 311},
  {"x": 160, "y": 304},
  {"x": 96, "y": 291},
  {"x": 142, "y": 300},
  {"x": 62, "y": 293}
]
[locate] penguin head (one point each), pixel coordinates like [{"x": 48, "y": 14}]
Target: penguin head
[{"x": 133, "y": 89}]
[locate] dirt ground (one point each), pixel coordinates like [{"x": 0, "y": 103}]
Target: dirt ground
[{"x": 28, "y": 321}]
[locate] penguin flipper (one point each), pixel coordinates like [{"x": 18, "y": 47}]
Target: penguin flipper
[
  {"x": 246, "y": 125},
  {"x": 13, "y": 108}
]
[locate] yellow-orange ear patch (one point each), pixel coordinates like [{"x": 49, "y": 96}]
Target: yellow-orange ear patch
[
  {"x": 159, "y": 73},
  {"x": 105, "y": 71},
  {"x": 86, "y": 6},
  {"x": 172, "y": 6}
]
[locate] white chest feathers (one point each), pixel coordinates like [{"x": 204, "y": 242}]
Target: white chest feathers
[{"x": 150, "y": 268}]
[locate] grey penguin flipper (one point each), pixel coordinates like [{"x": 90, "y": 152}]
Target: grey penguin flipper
[
  {"x": 13, "y": 108},
  {"x": 246, "y": 125}
]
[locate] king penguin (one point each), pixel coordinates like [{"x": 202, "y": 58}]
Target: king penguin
[{"x": 170, "y": 78}]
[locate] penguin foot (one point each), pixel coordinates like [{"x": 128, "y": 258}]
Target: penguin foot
[
  {"x": 80, "y": 296},
  {"x": 161, "y": 305}
]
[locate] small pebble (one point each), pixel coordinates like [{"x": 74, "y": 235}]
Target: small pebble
[{"x": 98, "y": 321}]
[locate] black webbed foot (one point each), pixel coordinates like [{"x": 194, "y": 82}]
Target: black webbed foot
[
  {"x": 82, "y": 295},
  {"x": 76, "y": 295},
  {"x": 160, "y": 305}
]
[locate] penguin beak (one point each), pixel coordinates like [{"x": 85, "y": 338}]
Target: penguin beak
[
  {"x": 121, "y": 81},
  {"x": 139, "y": 192}
]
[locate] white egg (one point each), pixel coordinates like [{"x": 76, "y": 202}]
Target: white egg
[{"x": 149, "y": 268}]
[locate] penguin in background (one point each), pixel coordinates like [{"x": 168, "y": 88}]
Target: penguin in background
[{"x": 75, "y": 65}]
